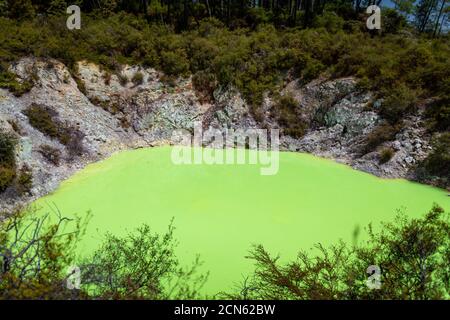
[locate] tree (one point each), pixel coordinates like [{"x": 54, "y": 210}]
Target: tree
[
  {"x": 35, "y": 252},
  {"x": 405, "y": 7},
  {"x": 3, "y": 8},
  {"x": 413, "y": 257},
  {"x": 441, "y": 13},
  {"x": 423, "y": 13},
  {"x": 141, "y": 265},
  {"x": 20, "y": 9}
]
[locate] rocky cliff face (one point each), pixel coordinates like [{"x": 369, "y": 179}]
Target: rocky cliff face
[{"x": 117, "y": 114}]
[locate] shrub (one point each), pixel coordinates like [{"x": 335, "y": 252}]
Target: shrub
[
  {"x": 80, "y": 85},
  {"x": 330, "y": 21},
  {"x": 392, "y": 21},
  {"x": 138, "y": 78},
  {"x": 7, "y": 149},
  {"x": 174, "y": 63},
  {"x": 7, "y": 176},
  {"x": 35, "y": 258},
  {"x": 400, "y": 101},
  {"x": 123, "y": 79},
  {"x": 288, "y": 118},
  {"x": 438, "y": 162},
  {"x": 337, "y": 271},
  {"x": 139, "y": 265},
  {"x": 8, "y": 81},
  {"x": 380, "y": 134},
  {"x": 7, "y": 160},
  {"x": 24, "y": 181},
  {"x": 385, "y": 155},
  {"x": 43, "y": 119},
  {"x": 204, "y": 83},
  {"x": 438, "y": 114},
  {"x": 50, "y": 154}
]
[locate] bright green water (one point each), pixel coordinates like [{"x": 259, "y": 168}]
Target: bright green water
[{"x": 221, "y": 210}]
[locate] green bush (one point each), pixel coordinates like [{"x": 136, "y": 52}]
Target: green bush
[
  {"x": 174, "y": 63},
  {"x": 399, "y": 101},
  {"x": 123, "y": 79},
  {"x": 380, "y": 134},
  {"x": 7, "y": 176},
  {"x": 7, "y": 160},
  {"x": 46, "y": 120},
  {"x": 138, "y": 78},
  {"x": 438, "y": 114},
  {"x": 393, "y": 21},
  {"x": 385, "y": 155},
  {"x": 43, "y": 119},
  {"x": 337, "y": 272},
  {"x": 8, "y": 81},
  {"x": 330, "y": 21},
  {"x": 204, "y": 83},
  {"x": 438, "y": 162},
  {"x": 24, "y": 181},
  {"x": 7, "y": 150},
  {"x": 288, "y": 117}
]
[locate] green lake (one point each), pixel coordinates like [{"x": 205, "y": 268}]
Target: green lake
[{"x": 219, "y": 211}]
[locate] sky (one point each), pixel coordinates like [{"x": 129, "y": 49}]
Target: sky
[{"x": 388, "y": 3}]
